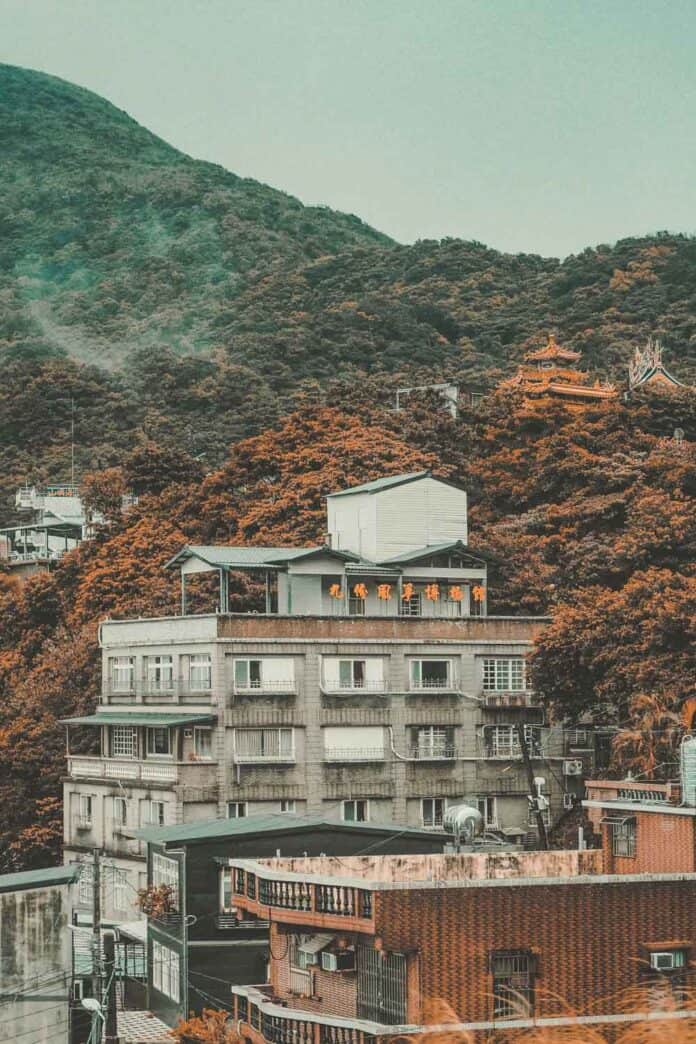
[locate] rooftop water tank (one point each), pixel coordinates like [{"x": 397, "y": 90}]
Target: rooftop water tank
[
  {"x": 688, "y": 770},
  {"x": 464, "y": 821}
]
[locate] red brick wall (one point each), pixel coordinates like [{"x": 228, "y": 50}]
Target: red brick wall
[
  {"x": 588, "y": 938},
  {"x": 335, "y": 992},
  {"x": 664, "y": 844}
]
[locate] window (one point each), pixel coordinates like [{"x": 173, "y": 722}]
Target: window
[
  {"x": 504, "y": 675},
  {"x": 264, "y": 745},
  {"x": 410, "y": 606},
  {"x": 85, "y": 886},
  {"x": 85, "y": 805},
  {"x": 120, "y": 890},
  {"x": 287, "y": 805},
  {"x": 488, "y": 807},
  {"x": 124, "y": 741},
  {"x": 160, "y": 673},
  {"x": 203, "y": 743},
  {"x": 356, "y": 606},
  {"x": 165, "y": 871},
  {"x": 513, "y": 984},
  {"x": 347, "y": 674},
  {"x": 356, "y": 811},
  {"x": 300, "y": 974},
  {"x": 200, "y": 674},
  {"x": 430, "y": 674},
  {"x": 158, "y": 742},
  {"x": 236, "y": 809},
  {"x": 120, "y": 812},
  {"x": 247, "y": 674},
  {"x": 433, "y": 741},
  {"x": 433, "y": 811},
  {"x": 668, "y": 960},
  {"x": 502, "y": 741},
  {"x": 165, "y": 971},
  {"x": 154, "y": 815},
  {"x": 122, "y": 671},
  {"x": 351, "y": 674},
  {"x": 623, "y": 838},
  {"x": 226, "y": 891}
]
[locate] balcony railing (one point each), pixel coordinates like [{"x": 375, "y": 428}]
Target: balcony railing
[
  {"x": 433, "y": 752},
  {"x": 429, "y": 684},
  {"x": 272, "y": 757},
  {"x": 315, "y": 901},
  {"x": 160, "y": 692},
  {"x": 83, "y": 822},
  {"x": 267, "y": 687},
  {"x": 141, "y": 771},
  {"x": 333, "y": 687},
  {"x": 336, "y": 754},
  {"x": 511, "y": 699},
  {"x": 275, "y": 1023},
  {"x": 508, "y": 748}
]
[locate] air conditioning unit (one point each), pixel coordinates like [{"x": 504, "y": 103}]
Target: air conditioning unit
[
  {"x": 568, "y": 802},
  {"x": 572, "y": 768},
  {"x": 663, "y": 961},
  {"x": 78, "y": 989},
  {"x": 343, "y": 960}
]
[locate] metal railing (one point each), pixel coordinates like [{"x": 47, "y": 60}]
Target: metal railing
[
  {"x": 427, "y": 684},
  {"x": 159, "y": 692},
  {"x": 433, "y": 752},
  {"x": 103, "y": 768},
  {"x": 83, "y": 822},
  {"x": 334, "y": 687},
  {"x": 354, "y": 754},
  {"x": 305, "y": 896},
  {"x": 511, "y": 698},
  {"x": 267, "y": 687}
]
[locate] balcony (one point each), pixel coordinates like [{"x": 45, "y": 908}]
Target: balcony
[
  {"x": 433, "y": 752},
  {"x": 163, "y": 692},
  {"x": 333, "y": 687},
  {"x": 524, "y": 698},
  {"x": 145, "y": 772},
  {"x": 334, "y": 755},
  {"x": 432, "y": 686},
  {"x": 266, "y": 687},
  {"x": 329, "y": 906},
  {"x": 83, "y": 823},
  {"x": 265, "y": 1021},
  {"x": 505, "y": 746}
]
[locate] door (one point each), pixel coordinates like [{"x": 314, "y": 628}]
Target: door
[{"x": 381, "y": 986}]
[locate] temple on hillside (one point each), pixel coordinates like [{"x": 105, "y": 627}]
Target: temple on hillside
[
  {"x": 647, "y": 370},
  {"x": 551, "y": 373}
]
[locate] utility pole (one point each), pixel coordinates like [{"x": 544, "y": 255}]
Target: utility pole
[
  {"x": 533, "y": 796},
  {"x": 111, "y": 1020},
  {"x": 96, "y": 925}
]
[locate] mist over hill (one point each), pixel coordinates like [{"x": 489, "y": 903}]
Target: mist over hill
[{"x": 171, "y": 300}]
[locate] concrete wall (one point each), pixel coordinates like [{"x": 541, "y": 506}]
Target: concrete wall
[{"x": 35, "y": 964}]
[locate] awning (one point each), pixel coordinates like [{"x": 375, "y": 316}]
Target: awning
[
  {"x": 316, "y": 943},
  {"x": 153, "y": 720}
]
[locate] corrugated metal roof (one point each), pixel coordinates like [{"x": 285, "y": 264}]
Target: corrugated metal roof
[
  {"x": 221, "y": 555},
  {"x": 271, "y": 823},
  {"x": 139, "y": 718},
  {"x": 430, "y": 549},
  {"x": 52, "y": 875},
  {"x": 382, "y": 483}
]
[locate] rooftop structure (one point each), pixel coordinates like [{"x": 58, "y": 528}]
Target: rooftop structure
[
  {"x": 647, "y": 369},
  {"x": 396, "y": 546},
  {"x": 551, "y": 373}
]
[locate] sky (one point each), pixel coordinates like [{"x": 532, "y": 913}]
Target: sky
[{"x": 542, "y": 126}]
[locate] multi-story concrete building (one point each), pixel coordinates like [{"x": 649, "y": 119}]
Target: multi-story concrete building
[{"x": 371, "y": 685}]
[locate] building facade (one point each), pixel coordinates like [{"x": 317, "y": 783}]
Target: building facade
[
  {"x": 375, "y": 948},
  {"x": 364, "y": 691},
  {"x": 36, "y": 954}
]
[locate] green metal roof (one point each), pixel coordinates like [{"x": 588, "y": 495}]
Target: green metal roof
[
  {"x": 383, "y": 483},
  {"x": 52, "y": 875},
  {"x": 139, "y": 718},
  {"x": 272, "y": 823},
  {"x": 430, "y": 549},
  {"x": 221, "y": 556}
]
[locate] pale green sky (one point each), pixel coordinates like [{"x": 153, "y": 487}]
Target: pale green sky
[{"x": 544, "y": 125}]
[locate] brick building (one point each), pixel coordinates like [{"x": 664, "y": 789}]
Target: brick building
[{"x": 371, "y": 948}]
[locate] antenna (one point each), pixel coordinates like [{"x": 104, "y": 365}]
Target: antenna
[{"x": 72, "y": 441}]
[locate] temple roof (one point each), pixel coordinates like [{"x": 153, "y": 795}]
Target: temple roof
[
  {"x": 647, "y": 368},
  {"x": 551, "y": 352}
]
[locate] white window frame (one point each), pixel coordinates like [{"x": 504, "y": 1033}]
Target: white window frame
[
  {"x": 120, "y": 818},
  {"x": 272, "y": 745},
  {"x": 435, "y": 818},
  {"x": 241, "y": 809},
  {"x": 154, "y": 807},
  {"x": 356, "y": 803},
  {"x": 165, "y": 871},
  {"x": 85, "y": 806},
  {"x": 415, "y": 673},
  {"x": 85, "y": 885},
  {"x": 487, "y": 805},
  {"x": 150, "y": 735},
  {"x": 287, "y": 806},
  {"x": 226, "y": 879},
  {"x": 122, "y": 665},
  {"x": 198, "y": 729},
  {"x": 125, "y": 737},
  {"x": 412, "y": 606},
  {"x": 250, "y": 685},
  {"x": 120, "y": 890},
  {"x": 434, "y": 742},
  {"x": 166, "y": 971},
  {"x": 504, "y": 674},
  {"x": 201, "y": 673},
  {"x": 160, "y": 673}
]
